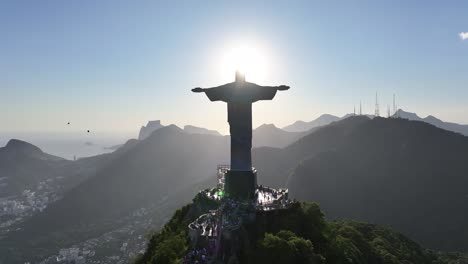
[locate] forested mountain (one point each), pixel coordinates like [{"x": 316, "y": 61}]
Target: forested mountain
[
  {"x": 24, "y": 166},
  {"x": 299, "y": 234},
  {"x": 406, "y": 174},
  {"x": 167, "y": 163},
  {"x": 105, "y": 188}
]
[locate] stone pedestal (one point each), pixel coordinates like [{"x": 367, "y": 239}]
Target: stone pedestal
[{"x": 241, "y": 184}]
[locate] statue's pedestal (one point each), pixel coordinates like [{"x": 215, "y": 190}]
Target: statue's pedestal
[{"x": 241, "y": 184}]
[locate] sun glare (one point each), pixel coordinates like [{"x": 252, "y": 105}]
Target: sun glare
[{"x": 247, "y": 60}]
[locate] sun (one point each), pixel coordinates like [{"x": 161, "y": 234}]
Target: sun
[{"x": 248, "y": 60}]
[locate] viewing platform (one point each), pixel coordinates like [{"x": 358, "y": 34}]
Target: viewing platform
[
  {"x": 265, "y": 198},
  {"x": 207, "y": 231}
]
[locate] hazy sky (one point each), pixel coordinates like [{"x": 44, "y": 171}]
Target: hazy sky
[{"x": 114, "y": 65}]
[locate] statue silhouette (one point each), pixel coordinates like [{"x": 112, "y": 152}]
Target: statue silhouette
[{"x": 239, "y": 96}]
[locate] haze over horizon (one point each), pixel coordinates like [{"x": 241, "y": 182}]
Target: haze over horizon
[{"x": 112, "y": 66}]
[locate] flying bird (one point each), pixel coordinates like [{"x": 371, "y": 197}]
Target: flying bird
[{"x": 88, "y": 131}]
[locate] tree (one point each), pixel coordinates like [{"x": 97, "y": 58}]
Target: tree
[{"x": 287, "y": 247}]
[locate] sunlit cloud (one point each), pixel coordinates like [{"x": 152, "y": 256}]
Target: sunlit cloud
[{"x": 463, "y": 35}]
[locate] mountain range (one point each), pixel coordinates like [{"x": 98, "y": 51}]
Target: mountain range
[
  {"x": 301, "y": 126},
  {"x": 24, "y": 166},
  {"x": 325, "y": 119},
  {"x": 270, "y": 135},
  {"x": 164, "y": 166},
  {"x": 406, "y": 174},
  {"x": 152, "y": 126},
  {"x": 462, "y": 129},
  {"x": 200, "y": 130},
  {"x": 409, "y": 175},
  {"x": 264, "y": 135}
]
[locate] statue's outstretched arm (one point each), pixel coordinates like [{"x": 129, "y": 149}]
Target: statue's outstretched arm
[
  {"x": 215, "y": 93},
  {"x": 283, "y": 88},
  {"x": 200, "y": 90},
  {"x": 279, "y": 88}
]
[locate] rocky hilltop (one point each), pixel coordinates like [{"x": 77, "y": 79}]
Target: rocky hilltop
[{"x": 147, "y": 130}]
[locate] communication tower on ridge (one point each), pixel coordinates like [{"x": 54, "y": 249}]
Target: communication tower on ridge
[
  {"x": 377, "y": 110},
  {"x": 395, "y": 111}
]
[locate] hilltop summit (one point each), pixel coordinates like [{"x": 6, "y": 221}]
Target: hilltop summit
[
  {"x": 22, "y": 149},
  {"x": 299, "y": 234}
]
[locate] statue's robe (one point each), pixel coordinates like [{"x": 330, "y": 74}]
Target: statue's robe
[{"x": 239, "y": 97}]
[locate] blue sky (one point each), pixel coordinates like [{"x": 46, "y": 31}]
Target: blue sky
[{"x": 114, "y": 65}]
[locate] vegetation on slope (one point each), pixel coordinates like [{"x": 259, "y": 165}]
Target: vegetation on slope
[
  {"x": 298, "y": 235},
  {"x": 170, "y": 244},
  {"x": 392, "y": 172}
]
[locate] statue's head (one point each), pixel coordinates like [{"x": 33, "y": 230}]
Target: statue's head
[{"x": 240, "y": 77}]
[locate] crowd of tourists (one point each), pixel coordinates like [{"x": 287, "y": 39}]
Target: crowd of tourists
[
  {"x": 270, "y": 199},
  {"x": 207, "y": 224},
  {"x": 198, "y": 256}
]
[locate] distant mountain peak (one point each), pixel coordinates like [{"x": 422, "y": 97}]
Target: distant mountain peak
[
  {"x": 298, "y": 122},
  {"x": 16, "y": 144},
  {"x": 23, "y": 148},
  {"x": 458, "y": 128},
  {"x": 170, "y": 129},
  {"x": 322, "y": 116},
  {"x": 302, "y": 126},
  {"x": 266, "y": 126},
  {"x": 431, "y": 118},
  {"x": 200, "y": 130},
  {"x": 147, "y": 130},
  {"x": 408, "y": 115},
  {"x": 269, "y": 135},
  {"x": 154, "y": 123}
]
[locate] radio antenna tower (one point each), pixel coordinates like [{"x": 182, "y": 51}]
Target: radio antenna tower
[
  {"x": 395, "y": 113},
  {"x": 377, "y": 110},
  {"x": 360, "y": 108},
  {"x": 354, "y": 113},
  {"x": 388, "y": 111}
]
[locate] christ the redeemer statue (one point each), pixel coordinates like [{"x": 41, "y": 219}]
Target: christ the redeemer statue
[{"x": 239, "y": 96}]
